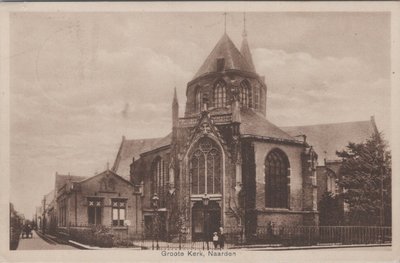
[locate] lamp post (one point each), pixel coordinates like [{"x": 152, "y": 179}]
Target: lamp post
[
  {"x": 154, "y": 204},
  {"x": 205, "y": 199}
]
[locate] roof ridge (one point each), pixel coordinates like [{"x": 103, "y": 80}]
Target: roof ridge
[
  {"x": 142, "y": 139},
  {"x": 321, "y": 124}
]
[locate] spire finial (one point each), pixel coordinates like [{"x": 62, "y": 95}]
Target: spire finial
[
  {"x": 244, "y": 34},
  {"x": 225, "y": 22}
]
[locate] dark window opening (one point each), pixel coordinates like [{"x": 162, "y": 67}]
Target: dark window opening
[
  {"x": 220, "y": 64},
  {"x": 277, "y": 180},
  {"x": 95, "y": 208}
]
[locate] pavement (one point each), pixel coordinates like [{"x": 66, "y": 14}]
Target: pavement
[
  {"x": 385, "y": 247},
  {"x": 37, "y": 243}
]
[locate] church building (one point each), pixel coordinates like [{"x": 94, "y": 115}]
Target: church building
[{"x": 224, "y": 164}]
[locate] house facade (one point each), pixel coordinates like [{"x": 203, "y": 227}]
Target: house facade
[{"x": 105, "y": 199}]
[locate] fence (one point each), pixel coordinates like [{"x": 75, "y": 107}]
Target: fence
[
  {"x": 235, "y": 237},
  {"x": 319, "y": 235}
]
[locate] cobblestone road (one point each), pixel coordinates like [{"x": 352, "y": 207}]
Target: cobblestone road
[{"x": 37, "y": 243}]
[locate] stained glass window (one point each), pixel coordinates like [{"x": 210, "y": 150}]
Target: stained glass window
[
  {"x": 160, "y": 175},
  {"x": 277, "y": 180},
  {"x": 198, "y": 99},
  {"x": 256, "y": 101},
  {"x": 205, "y": 168},
  {"x": 220, "y": 95},
  {"x": 245, "y": 94}
]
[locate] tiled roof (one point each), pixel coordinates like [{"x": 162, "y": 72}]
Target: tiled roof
[
  {"x": 253, "y": 123},
  {"x": 227, "y": 50},
  {"x": 326, "y": 139},
  {"x": 62, "y": 179},
  {"x": 132, "y": 149}
]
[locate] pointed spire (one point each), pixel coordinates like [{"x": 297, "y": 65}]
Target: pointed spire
[
  {"x": 175, "y": 110},
  {"x": 175, "y": 99},
  {"x": 245, "y": 49},
  {"x": 225, "y": 23},
  {"x": 244, "y": 34}
]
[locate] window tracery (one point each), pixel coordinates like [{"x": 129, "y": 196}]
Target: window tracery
[
  {"x": 245, "y": 94},
  {"x": 277, "y": 180},
  {"x": 220, "y": 95},
  {"x": 159, "y": 172},
  {"x": 205, "y": 168}
]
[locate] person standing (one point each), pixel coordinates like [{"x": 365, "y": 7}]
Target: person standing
[
  {"x": 221, "y": 238},
  {"x": 215, "y": 240}
]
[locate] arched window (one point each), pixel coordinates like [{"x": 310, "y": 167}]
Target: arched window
[
  {"x": 331, "y": 185},
  {"x": 256, "y": 101},
  {"x": 277, "y": 180},
  {"x": 220, "y": 94},
  {"x": 245, "y": 94},
  {"x": 198, "y": 99},
  {"x": 160, "y": 175},
  {"x": 205, "y": 168}
]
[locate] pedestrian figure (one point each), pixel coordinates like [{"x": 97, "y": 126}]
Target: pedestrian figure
[
  {"x": 215, "y": 240},
  {"x": 29, "y": 231},
  {"x": 23, "y": 232},
  {"x": 221, "y": 238}
]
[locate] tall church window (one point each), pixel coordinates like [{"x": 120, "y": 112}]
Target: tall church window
[
  {"x": 160, "y": 175},
  {"x": 277, "y": 180},
  {"x": 205, "y": 168},
  {"x": 95, "y": 209},
  {"x": 256, "y": 101},
  {"x": 220, "y": 95},
  {"x": 198, "y": 99},
  {"x": 245, "y": 94},
  {"x": 331, "y": 185},
  {"x": 62, "y": 212}
]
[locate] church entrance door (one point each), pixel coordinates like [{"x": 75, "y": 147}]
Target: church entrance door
[{"x": 205, "y": 220}]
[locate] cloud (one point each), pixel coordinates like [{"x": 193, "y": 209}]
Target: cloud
[{"x": 303, "y": 89}]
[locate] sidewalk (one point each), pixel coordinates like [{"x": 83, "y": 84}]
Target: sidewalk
[
  {"x": 332, "y": 246},
  {"x": 37, "y": 243}
]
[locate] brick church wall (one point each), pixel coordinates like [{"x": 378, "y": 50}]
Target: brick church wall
[{"x": 293, "y": 153}]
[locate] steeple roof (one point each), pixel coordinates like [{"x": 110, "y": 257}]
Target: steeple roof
[
  {"x": 228, "y": 51},
  {"x": 245, "y": 51},
  {"x": 175, "y": 99}
]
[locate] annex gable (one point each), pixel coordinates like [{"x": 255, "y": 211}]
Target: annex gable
[{"x": 105, "y": 182}]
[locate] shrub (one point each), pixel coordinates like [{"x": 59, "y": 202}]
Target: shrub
[{"x": 95, "y": 235}]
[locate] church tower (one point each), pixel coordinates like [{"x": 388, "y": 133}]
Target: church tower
[
  {"x": 219, "y": 149},
  {"x": 226, "y": 70}
]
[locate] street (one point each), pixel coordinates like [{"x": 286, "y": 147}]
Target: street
[{"x": 37, "y": 243}]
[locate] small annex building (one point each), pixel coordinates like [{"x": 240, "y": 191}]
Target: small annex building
[{"x": 104, "y": 199}]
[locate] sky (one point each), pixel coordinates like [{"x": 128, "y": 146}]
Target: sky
[{"x": 80, "y": 81}]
